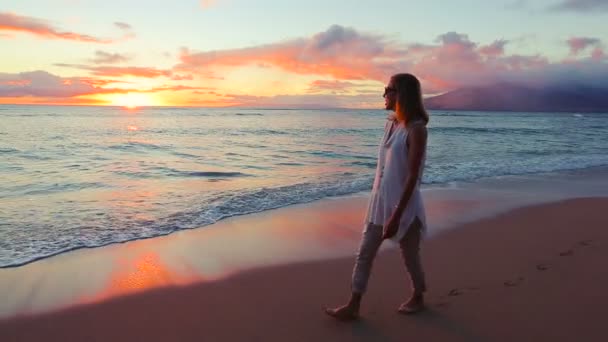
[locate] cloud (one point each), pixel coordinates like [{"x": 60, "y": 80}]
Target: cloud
[
  {"x": 497, "y": 48},
  {"x": 114, "y": 71},
  {"x": 102, "y": 57},
  {"x": 340, "y": 52},
  {"x": 345, "y": 54},
  {"x": 331, "y": 85},
  {"x": 299, "y": 101},
  {"x": 16, "y": 23},
  {"x": 598, "y": 54},
  {"x": 578, "y": 44},
  {"x": 127, "y": 30},
  {"x": 44, "y": 84},
  {"x": 589, "y": 6},
  {"x": 122, "y": 26},
  {"x": 187, "y": 77},
  {"x": 452, "y": 61}
]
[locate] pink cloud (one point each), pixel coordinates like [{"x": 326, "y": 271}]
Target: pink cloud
[
  {"x": 340, "y": 52},
  {"x": 497, "y": 48},
  {"x": 39, "y": 27},
  {"x": 598, "y": 54},
  {"x": 578, "y": 44},
  {"x": 345, "y": 54},
  {"x": 451, "y": 62},
  {"x": 113, "y": 71}
]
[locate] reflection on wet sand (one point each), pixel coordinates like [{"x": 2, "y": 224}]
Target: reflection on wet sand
[
  {"x": 138, "y": 273},
  {"x": 299, "y": 233}
]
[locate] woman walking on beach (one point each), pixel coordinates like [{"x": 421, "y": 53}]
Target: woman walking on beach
[{"x": 395, "y": 209}]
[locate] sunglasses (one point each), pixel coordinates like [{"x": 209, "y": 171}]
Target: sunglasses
[{"x": 388, "y": 90}]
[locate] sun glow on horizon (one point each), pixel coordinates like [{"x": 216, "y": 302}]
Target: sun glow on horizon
[{"x": 132, "y": 100}]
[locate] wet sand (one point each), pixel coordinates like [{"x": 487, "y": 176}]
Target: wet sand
[{"x": 533, "y": 273}]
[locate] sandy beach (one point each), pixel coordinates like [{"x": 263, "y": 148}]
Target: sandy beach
[{"x": 533, "y": 273}]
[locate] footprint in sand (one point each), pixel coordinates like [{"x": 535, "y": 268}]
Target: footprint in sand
[
  {"x": 566, "y": 253},
  {"x": 454, "y": 292},
  {"x": 542, "y": 267},
  {"x": 513, "y": 283}
]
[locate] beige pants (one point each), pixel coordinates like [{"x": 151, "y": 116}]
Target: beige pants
[{"x": 410, "y": 250}]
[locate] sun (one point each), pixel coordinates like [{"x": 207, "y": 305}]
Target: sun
[{"x": 132, "y": 100}]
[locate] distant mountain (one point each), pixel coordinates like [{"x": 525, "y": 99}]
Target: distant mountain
[{"x": 513, "y": 97}]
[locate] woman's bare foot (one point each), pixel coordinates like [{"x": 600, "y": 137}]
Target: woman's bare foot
[
  {"x": 344, "y": 313},
  {"x": 414, "y": 305}
]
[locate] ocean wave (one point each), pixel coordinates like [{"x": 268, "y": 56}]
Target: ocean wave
[
  {"x": 291, "y": 164},
  {"x": 472, "y": 171},
  {"x": 228, "y": 204},
  {"x": 163, "y": 171},
  {"x": 46, "y": 189},
  {"x": 488, "y": 130},
  {"x": 217, "y": 207},
  {"x": 369, "y": 165},
  {"x": 207, "y": 174},
  {"x": 270, "y": 132},
  {"x": 133, "y": 145},
  {"x": 8, "y": 150}
]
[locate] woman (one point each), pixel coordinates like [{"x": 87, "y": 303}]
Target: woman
[{"x": 395, "y": 209}]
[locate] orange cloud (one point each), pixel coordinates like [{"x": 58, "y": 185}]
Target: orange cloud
[
  {"x": 345, "y": 54},
  {"x": 39, "y": 27},
  {"x": 45, "y": 85},
  {"x": 340, "y": 52},
  {"x": 452, "y": 61},
  {"x": 331, "y": 85},
  {"x": 302, "y": 101},
  {"x": 112, "y": 71}
]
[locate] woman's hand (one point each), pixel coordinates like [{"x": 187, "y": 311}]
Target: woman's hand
[{"x": 391, "y": 227}]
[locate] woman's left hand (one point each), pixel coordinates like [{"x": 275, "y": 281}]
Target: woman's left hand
[{"x": 391, "y": 227}]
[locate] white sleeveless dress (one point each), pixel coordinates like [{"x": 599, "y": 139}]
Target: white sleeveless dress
[{"x": 389, "y": 183}]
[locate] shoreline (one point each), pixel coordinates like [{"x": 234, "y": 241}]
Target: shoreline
[
  {"x": 434, "y": 191},
  {"x": 320, "y": 230},
  {"x": 506, "y": 277}
]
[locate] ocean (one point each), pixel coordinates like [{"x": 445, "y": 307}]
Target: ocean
[{"x": 82, "y": 177}]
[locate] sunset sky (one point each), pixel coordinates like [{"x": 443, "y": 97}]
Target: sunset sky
[{"x": 289, "y": 53}]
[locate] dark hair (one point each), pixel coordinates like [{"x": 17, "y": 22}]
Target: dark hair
[{"x": 409, "y": 105}]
